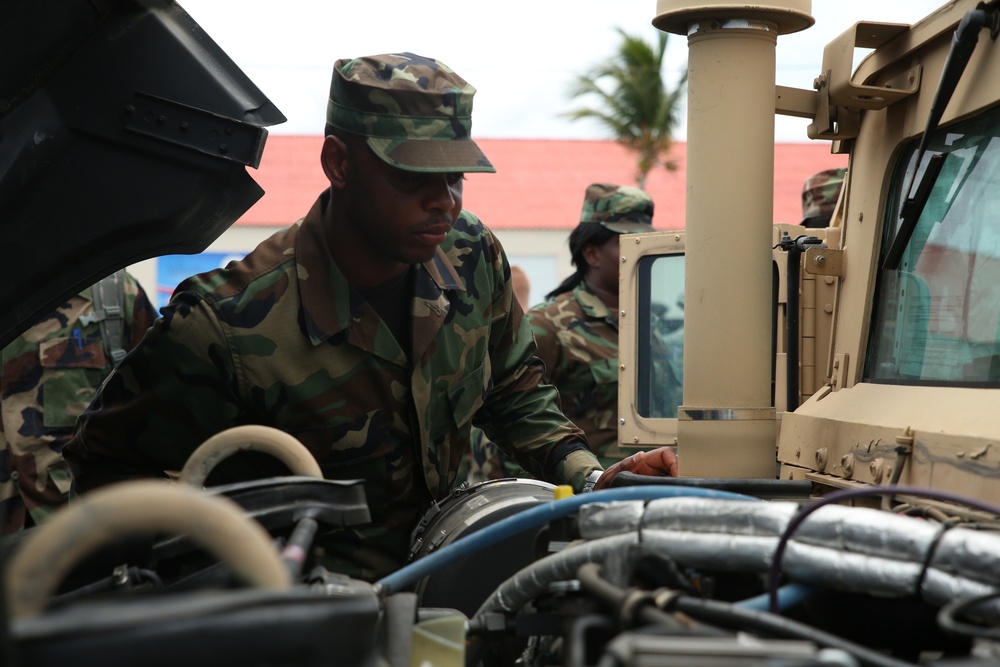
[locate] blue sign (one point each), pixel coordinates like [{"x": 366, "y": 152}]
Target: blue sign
[{"x": 171, "y": 270}]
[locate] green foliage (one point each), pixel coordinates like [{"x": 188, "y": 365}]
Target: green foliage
[{"x": 633, "y": 102}]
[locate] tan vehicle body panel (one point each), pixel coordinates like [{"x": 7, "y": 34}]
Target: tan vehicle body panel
[{"x": 846, "y": 431}]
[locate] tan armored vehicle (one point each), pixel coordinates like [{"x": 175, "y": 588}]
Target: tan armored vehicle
[{"x": 895, "y": 365}]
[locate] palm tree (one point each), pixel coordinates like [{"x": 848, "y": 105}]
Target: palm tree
[{"x": 636, "y": 105}]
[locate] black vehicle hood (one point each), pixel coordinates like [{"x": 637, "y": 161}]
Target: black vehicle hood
[{"x": 125, "y": 133}]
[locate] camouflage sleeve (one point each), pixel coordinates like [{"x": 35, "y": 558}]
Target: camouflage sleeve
[
  {"x": 521, "y": 414},
  {"x": 173, "y": 391},
  {"x": 548, "y": 348}
]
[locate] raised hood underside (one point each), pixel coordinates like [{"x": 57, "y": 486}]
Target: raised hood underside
[{"x": 125, "y": 133}]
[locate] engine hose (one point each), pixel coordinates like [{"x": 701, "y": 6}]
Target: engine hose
[
  {"x": 740, "y": 618},
  {"x": 788, "y": 596},
  {"x": 774, "y": 572},
  {"x": 758, "y": 488},
  {"x": 632, "y": 610},
  {"x": 534, "y": 517}
]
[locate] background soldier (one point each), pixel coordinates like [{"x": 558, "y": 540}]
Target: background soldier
[
  {"x": 48, "y": 376},
  {"x": 819, "y": 196}
]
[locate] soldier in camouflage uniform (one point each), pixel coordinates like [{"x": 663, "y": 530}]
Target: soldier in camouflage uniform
[
  {"x": 48, "y": 376},
  {"x": 377, "y": 330},
  {"x": 576, "y": 331},
  {"x": 486, "y": 461},
  {"x": 819, "y": 196}
]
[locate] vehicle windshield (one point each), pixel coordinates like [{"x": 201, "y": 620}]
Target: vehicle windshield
[
  {"x": 661, "y": 336},
  {"x": 937, "y": 317}
]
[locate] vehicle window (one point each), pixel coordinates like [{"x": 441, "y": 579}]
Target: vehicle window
[
  {"x": 661, "y": 336},
  {"x": 937, "y": 318}
]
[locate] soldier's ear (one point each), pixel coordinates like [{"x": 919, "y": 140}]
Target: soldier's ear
[
  {"x": 334, "y": 157},
  {"x": 591, "y": 255}
]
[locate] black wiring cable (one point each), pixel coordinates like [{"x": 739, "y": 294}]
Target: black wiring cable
[
  {"x": 774, "y": 573},
  {"x": 903, "y": 453},
  {"x": 741, "y": 618},
  {"x": 947, "y": 618},
  {"x": 929, "y": 556},
  {"x": 632, "y": 610}
]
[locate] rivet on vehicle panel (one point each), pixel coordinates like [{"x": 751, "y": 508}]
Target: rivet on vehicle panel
[
  {"x": 821, "y": 458},
  {"x": 819, "y": 260},
  {"x": 847, "y": 462},
  {"x": 621, "y": 313},
  {"x": 622, "y": 367},
  {"x": 622, "y": 421}
]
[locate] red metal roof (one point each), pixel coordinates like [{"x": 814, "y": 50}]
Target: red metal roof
[{"x": 539, "y": 183}]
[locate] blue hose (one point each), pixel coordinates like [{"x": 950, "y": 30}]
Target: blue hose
[
  {"x": 533, "y": 518},
  {"x": 788, "y": 596}
]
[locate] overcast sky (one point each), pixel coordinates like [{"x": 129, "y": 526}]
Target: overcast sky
[{"x": 521, "y": 55}]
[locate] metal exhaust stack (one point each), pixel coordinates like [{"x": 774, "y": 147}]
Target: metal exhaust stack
[{"x": 727, "y": 424}]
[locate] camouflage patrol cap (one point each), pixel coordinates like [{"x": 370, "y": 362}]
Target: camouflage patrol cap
[
  {"x": 620, "y": 208},
  {"x": 820, "y": 192},
  {"x": 415, "y": 112}
]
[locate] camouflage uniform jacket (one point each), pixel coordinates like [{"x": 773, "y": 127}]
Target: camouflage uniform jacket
[
  {"x": 281, "y": 339},
  {"x": 577, "y": 338},
  {"x": 48, "y": 376}
]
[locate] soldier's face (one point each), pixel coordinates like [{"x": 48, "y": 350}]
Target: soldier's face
[
  {"x": 603, "y": 270},
  {"x": 401, "y": 215}
]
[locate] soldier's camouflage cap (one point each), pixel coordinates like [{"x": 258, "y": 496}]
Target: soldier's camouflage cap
[
  {"x": 415, "y": 112},
  {"x": 620, "y": 208},
  {"x": 820, "y": 192}
]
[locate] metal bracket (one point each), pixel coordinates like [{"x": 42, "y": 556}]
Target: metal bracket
[
  {"x": 194, "y": 128},
  {"x": 840, "y": 100},
  {"x": 840, "y": 366},
  {"x": 824, "y": 262}
]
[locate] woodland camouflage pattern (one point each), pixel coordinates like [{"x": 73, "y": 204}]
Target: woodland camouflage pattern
[
  {"x": 401, "y": 102},
  {"x": 620, "y": 208},
  {"x": 577, "y": 338},
  {"x": 488, "y": 462},
  {"x": 281, "y": 339},
  {"x": 589, "y": 395},
  {"x": 48, "y": 376}
]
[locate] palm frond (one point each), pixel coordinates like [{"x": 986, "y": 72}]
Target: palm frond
[{"x": 631, "y": 100}]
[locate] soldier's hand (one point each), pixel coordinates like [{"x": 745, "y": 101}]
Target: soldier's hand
[{"x": 660, "y": 462}]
